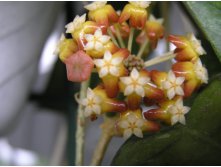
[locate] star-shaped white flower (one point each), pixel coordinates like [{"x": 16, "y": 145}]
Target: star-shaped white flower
[
  {"x": 196, "y": 44},
  {"x": 173, "y": 85},
  {"x": 91, "y": 103},
  {"x": 201, "y": 72},
  {"x": 95, "y": 5},
  {"x": 178, "y": 111},
  {"x": 61, "y": 40},
  {"x": 108, "y": 65},
  {"x": 96, "y": 41},
  {"x": 76, "y": 24},
  {"x": 132, "y": 125},
  {"x": 141, "y": 4},
  {"x": 152, "y": 18},
  {"x": 134, "y": 83}
]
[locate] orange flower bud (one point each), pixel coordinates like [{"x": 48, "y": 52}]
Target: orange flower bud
[
  {"x": 188, "y": 48},
  {"x": 154, "y": 30},
  {"x": 102, "y": 13},
  {"x": 65, "y": 48},
  {"x": 123, "y": 28},
  {"x": 136, "y": 13},
  {"x": 158, "y": 77}
]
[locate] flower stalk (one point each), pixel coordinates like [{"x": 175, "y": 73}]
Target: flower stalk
[
  {"x": 142, "y": 48},
  {"x": 108, "y": 131},
  {"x": 119, "y": 37},
  {"x": 80, "y": 131},
  {"x": 112, "y": 37},
  {"x": 159, "y": 59},
  {"x": 130, "y": 41}
]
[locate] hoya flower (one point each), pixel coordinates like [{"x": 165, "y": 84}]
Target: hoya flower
[
  {"x": 96, "y": 41},
  {"x": 188, "y": 48},
  {"x": 91, "y": 104},
  {"x": 173, "y": 85},
  {"x": 132, "y": 123},
  {"x": 75, "y": 24},
  {"x": 194, "y": 72},
  {"x": 79, "y": 66},
  {"x": 65, "y": 48},
  {"x": 178, "y": 112},
  {"x": 134, "y": 83},
  {"x": 168, "y": 111},
  {"x": 133, "y": 88},
  {"x": 102, "y": 13},
  {"x": 196, "y": 44},
  {"x": 110, "y": 68},
  {"x": 108, "y": 65},
  {"x": 154, "y": 30},
  {"x": 136, "y": 13},
  {"x": 200, "y": 71}
]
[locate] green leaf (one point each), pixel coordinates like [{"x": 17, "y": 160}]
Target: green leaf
[
  {"x": 196, "y": 143},
  {"x": 207, "y": 15}
]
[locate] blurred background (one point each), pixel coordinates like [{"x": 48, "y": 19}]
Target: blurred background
[{"x": 37, "y": 108}]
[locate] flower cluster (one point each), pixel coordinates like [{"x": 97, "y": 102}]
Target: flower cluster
[{"x": 98, "y": 45}]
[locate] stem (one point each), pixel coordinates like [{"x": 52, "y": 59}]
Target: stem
[
  {"x": 112, "y": 37},
  {"x": 108, "y": 131},
  {"x": 130, "y": 41},
  {"x": 80, "y": 132},
  {"x": 159, "y": 59},
  {"x": 142, "y": 48},
  {"x": 119, "y": 37},
  {"x": 104, "y": 140}
]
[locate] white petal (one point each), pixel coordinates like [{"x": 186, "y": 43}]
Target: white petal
[
  {"x": 174, "y": 119},
  {"x": 171, "y": 76},
  {"x": 143, "y": 80},
  {"x": 126, "y": 80},
  {"x": 98, "y": 33},
  {"x": 97, "y": 99},
  {"x": 124, "y": 124},
  {"x": 179, "y": 90},
  {"x": 117, "y": 60},
  {"x": 138, "y": 132},
  {"x": 179, "y": 103},
  {"x": 104, "y": 39},
  {"x": 96, "y": 109},
  {"x": 170, "y": 93},
  {"x": 132, "y": 118},
  {"x": 182, "y": 119},
  {"x": 140, "y": 91},
  {"x": 127, "y": 133},
  {"x": 89, "y": 37},
  {"x": 134, "y": 73},
  {"x": 90, "y": 93},
  {"x": 98, "y": 46},
  {"x": 89, "y": 46},
  {"x": 95, "y": 5},
  {"x": 166, "y": 85},
  {"x": 87, "y": 112},
  {"x": 84, "y": 102},
  {"x": 128, "y": 90},
  {"x": 114, "y": 71},
  {"x": 103, "y": 72},
  {"x": 107, "y": 55},
  {"x": 139, "y": 123},
  {"x": 186, "y": 109},
  {"x": 99, "y": 62},
  {"x": 180, "y": 80}
]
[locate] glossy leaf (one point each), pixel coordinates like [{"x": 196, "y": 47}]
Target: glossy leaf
[
  {"x": 207, "y": 16},
  {"x": 196, "y": 143}
]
